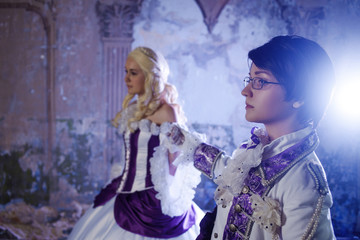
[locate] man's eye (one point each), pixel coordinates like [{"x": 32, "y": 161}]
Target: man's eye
[{"x": 262, "y": 81}]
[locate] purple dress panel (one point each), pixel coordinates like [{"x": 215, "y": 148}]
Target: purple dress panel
[
  {"x": 140, "y": 211},
  {"x": 107, "y": 193}
]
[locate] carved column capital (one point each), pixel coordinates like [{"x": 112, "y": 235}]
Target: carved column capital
[
  {"x": 116, "y": 17},
  {"x": 302, "y": 17}
]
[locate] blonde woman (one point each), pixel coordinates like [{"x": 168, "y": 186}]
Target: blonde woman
[{"x": 150, "y": 195}]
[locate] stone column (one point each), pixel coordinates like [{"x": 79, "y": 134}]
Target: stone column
[{"x": 116, "y": 19}]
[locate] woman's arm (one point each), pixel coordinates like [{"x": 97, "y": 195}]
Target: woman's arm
[
  {"x": 172, "y": 157},
  {"x": 166, "y": 113}
]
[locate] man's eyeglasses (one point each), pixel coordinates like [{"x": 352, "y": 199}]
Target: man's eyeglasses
[{"x": 257, "y": 83}]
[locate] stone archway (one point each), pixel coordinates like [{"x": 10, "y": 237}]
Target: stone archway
[
  {"x": 44, "y": 9},
  {"x": 27, "y": 109}
]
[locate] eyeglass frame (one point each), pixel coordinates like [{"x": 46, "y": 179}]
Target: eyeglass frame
[{"x": 248, "y": 79}]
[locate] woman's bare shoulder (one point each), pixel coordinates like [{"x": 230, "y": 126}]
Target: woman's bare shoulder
[{"x": 166, "y": 113}]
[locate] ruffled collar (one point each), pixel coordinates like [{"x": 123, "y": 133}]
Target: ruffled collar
[
  {"x": 145, "y": 125},
  {"x": 258, "y": 135},
  {"x": 284, "y": 142},
  {"x": 249, "y": 155}
]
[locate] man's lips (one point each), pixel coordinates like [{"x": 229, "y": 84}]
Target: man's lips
[{"x": 248, "y": 106}]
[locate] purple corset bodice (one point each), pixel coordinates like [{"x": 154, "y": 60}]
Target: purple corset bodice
[
  {"x": 125, "y": 182},
  {"x": 138, "y": 151}
]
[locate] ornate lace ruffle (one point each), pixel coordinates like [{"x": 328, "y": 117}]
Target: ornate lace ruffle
[
  {"x": 175, "y": 192},
  {"x": 231, "y": 181},
  {"x": 267, "y": 213}
]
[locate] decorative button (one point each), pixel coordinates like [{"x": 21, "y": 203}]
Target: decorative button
[
  {"x": 216, "y": 235},
  {"x": 237, "y": 208},
  {"x": 232, "y": 227},
  {"x": 245, "y": 189}
]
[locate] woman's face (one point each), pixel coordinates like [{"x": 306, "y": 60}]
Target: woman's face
[
  {"x": 134, "y": 78},
  {"x": 266, "y": 105}
]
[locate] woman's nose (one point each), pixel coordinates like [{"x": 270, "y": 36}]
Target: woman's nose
[{"x": 126, "y": 78}]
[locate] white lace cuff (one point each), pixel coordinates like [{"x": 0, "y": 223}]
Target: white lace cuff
[
  {"x": 187, "y": 149},
  {"x": 175, "y": 192}
]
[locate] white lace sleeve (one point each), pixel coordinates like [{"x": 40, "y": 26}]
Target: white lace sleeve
[
  {"x": 175, "y": 192},
  {"x": 191, "y": 141}
]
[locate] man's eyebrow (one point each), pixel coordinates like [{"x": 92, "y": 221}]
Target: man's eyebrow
[{"x": 262, "y": 71}]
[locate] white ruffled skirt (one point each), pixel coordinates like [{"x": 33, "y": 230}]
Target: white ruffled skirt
[{"x": 99, "y": 223}]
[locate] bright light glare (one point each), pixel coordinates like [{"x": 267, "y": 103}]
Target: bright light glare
[{"x": 347, "y": 100}]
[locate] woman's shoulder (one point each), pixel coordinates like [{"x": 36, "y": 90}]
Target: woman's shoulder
[{"x": 165, "y": 113}]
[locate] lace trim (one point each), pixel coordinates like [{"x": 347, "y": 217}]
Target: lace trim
[
  {"x": 192, "y": 141},
  {"x": 231, "y": 181},
  {"x": 267, "y": 213},
  {"x": 174, "y": 192},
  {"x": 145, "y": 125}
]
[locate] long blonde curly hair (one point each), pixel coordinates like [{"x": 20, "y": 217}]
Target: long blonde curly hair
[{"x": 156, "y": 71}]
